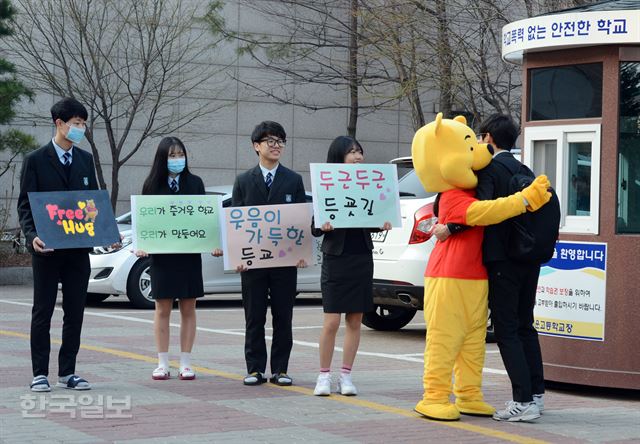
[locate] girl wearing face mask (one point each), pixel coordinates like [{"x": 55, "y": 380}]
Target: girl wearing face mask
[
  {"x": 346, "y": 281},
  {"x": 174, "y": 276}
]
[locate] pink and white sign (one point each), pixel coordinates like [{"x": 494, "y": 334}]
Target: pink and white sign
[{"x": 267, "y": 236}]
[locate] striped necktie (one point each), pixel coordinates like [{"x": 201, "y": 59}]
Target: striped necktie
[
  {"x": 269, "y": 180},
  {"x": 174, "y": 186},
  {"x": 67, "y": 159}
]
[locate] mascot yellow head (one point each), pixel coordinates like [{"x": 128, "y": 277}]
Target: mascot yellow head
[{"x": 446, "y": 153}]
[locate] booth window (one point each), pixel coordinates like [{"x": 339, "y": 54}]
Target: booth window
[
  {"x": 628, "y": 220},
  {"x": 565, "y": 92},
  {"x": 570, "y": 156}
]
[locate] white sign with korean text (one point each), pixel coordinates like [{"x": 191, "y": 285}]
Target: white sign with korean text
[
  {"x": 355, "y": 195},
  {"x": 571, "y": 293},
  {"x": 570, "y": 30}
]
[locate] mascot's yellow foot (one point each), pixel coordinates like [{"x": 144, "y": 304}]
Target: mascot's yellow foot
[
  {"x": 439, "y": 412},
  {"x": 475, "y": 408}
]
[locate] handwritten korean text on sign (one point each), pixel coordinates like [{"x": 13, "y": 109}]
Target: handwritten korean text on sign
[
  {"x": 175, "y": 224},
  {"x": 355, "y": 195},
  {"x": 267, "y": 236}
]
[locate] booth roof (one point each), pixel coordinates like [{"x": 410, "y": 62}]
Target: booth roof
[{"x": 605, "y": 5}]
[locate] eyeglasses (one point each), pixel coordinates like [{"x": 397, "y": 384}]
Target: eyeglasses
[{"x": 272, "y": 142}]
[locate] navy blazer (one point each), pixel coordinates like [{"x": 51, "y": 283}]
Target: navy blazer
[
  {"x": 493, "y": 182},
  {"x": 250, "y": 189},
  {"x": 43, "y": 171},
  {"x": 188, "y": 184},
  {"x": 333, "y": 241}
]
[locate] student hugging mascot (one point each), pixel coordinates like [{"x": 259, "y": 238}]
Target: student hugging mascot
[{"x": 445, "y": 155}]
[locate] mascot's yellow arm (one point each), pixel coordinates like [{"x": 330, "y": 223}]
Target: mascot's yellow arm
[{"x": 489, "y": 212}]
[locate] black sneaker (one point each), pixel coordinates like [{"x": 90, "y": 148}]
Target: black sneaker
[
  {"x": 255, "y": 378},
  {"x": 281, "y": 379}
]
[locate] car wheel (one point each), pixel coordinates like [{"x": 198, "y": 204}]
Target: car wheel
[
  {"x": 96, "y": 298},
  {"x": 139, "y": 285},
  {"x": 388, "y": 318}
]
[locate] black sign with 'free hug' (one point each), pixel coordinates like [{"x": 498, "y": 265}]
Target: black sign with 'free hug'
[{"x": 74, "y": 219}]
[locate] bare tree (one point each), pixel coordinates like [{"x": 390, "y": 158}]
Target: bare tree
[
  {"x": 319, "y": 43},
  {"x": 134, "y": 64}
]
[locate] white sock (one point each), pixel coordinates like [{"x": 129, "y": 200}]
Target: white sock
[
  {"x": 185, "y": 359},
  {"x": 163, "y": 360}
]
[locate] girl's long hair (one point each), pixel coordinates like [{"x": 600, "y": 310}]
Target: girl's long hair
[
  {"x": 339, "y": 148},
  {"x": 159, "y": 171}
]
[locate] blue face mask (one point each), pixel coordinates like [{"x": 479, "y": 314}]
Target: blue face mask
[
  {"x": 75, "y": 134},
  {"x": 176, "y": 165}
]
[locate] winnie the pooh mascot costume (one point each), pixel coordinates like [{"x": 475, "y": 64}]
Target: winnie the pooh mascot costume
[{"x": 445, "y": 155}]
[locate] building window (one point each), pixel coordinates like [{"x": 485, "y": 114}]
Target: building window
[
  {"x": 628, "y": 220},
  {"x": 570, "y": 156},
  {"x": 565, "y": 92}
]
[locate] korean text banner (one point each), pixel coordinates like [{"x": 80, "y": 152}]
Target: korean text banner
[
  {"x": 267, "y": 236},
  {"x": 355, "y": 195},
  {"x": 571, "y": 294},
  {"x": 74, "y": 219},
  {"x": 175, "y": 223}
]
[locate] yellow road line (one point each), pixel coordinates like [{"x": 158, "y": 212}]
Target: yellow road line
[{"x": 306, "y": 391}]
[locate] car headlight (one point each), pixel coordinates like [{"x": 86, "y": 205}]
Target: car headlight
[{"x": 126, "y": 241}]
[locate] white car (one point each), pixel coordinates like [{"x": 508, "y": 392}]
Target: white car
[
  {"x": 400, "y": 257},
  {"x": 120, "y": 272}
]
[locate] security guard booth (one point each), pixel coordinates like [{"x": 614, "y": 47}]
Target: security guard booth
[{"x": 581, "y": 127}]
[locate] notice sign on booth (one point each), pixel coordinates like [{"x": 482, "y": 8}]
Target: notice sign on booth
[
  {"x": 74, "y": 219},
  {"x": 355, "y": 195},
  {"x": 571, "y": 294},
  {"x": 175, "y": 223},
  {"x": 267, "y": 236}
]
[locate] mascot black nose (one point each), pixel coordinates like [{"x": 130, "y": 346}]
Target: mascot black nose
[{"x": 490, "y": 148}]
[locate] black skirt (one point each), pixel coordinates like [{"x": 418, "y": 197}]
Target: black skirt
[
  {"x": 176, "y": 276},
  {"x": 347, "y": 283}
]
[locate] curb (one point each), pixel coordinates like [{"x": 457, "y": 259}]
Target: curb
[{"x": 16, "y": 276}]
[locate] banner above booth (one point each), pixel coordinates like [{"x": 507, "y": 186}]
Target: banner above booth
[{"x": 561, "y": 31}]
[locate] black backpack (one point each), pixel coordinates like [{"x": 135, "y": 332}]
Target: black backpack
[{"x": 532, "y": 235}]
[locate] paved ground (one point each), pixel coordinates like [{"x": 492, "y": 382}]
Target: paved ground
[{"x": 125, "y": 405}]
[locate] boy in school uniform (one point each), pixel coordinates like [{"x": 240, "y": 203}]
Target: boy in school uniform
[
  {"x": 57, "y": 166},
  {"x": 268, "y": 183}
]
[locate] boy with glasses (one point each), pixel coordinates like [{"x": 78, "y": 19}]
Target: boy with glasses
[{"x": 268, "y": 183}]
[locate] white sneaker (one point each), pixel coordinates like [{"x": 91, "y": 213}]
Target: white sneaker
[
  {"x": 539, "y": 400},
  {"x": 345, "y": 385},
  {"x": 518, "y": 411},
  {"x": 323, "y": 385}
]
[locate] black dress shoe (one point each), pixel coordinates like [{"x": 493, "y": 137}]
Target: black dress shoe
[
  {"x": 254, "y": 378},
  {"x": 281, "y": 379}
]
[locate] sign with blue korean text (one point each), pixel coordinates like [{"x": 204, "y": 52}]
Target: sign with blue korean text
[
  {"x": 175, "y": 223},
  {"x": 267, "y": 236},
  {"x": 74, "y": 219},
  {"x": 571, "y": 294},
  {"x": 355, "y": 195},
  {"x": 570, "y": 30}
]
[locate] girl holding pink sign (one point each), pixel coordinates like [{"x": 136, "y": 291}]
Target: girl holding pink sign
[{"x": 346, "y": 282}]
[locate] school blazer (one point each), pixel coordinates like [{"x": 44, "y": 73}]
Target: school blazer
[
  {"x": 493, "y": 182},
  {"x": 43, "y": 171},
  {"x": 250, "y": 189},
  {"x": 333, "y": 241},
  {"x": 189, "y": 184}
]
